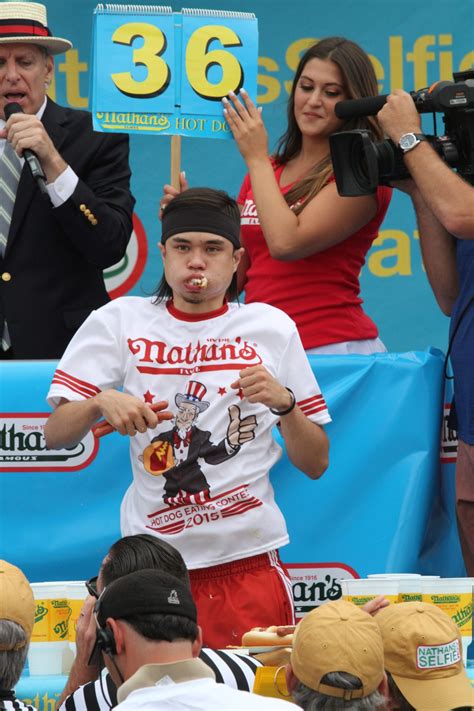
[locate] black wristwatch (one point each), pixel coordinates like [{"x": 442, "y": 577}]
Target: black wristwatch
[{"x": 409, "y": 141}]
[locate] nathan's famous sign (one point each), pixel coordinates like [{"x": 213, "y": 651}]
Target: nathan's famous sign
[{"x": 23, "y": 447}]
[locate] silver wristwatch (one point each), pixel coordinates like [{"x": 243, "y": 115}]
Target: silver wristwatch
[{"x": 409, "y": 140}]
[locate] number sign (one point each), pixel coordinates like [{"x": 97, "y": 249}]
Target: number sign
[{"x": 162, "y": 72}]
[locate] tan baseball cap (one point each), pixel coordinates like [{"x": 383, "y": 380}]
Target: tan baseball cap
[
  {"x": 423, "y": 653},
  {"x": 16, "y": 600},
  {"x": 338, "y": 637}
]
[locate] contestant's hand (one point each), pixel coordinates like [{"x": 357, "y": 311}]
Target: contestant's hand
[
  {"x": 258, "y": 385},
  {"x": 128, "y": 414},
  {"x": 245, "y": 122},
  {"x": 169, "y": 192},
  {"x": 399, "y": 115},
  {"x": 27, "y": 131}
]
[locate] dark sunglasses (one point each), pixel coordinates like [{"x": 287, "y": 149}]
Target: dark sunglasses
[{"x": 91, "y": 586}]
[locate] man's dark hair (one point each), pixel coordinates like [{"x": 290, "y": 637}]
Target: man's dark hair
[
  {"x": 142, "y": 551},
  {"x": 205, "y": 199},
  {"x": 168, "y": 628}
]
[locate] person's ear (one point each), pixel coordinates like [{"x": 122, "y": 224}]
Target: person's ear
[
  {"x": 384, "y": 689},
  {"x": 197, "y": 644},
  {"x": 237, "y": 256},
  {"x": 49, "y": 71},
  {"x": 291, "y": 680},
  {"x": 117, "y": 629},
  {"x": 162, "y": 248}
]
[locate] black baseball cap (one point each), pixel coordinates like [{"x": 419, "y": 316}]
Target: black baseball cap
[{"x": 145, "y": 592}]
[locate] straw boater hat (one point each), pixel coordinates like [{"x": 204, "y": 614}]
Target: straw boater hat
[{"x": 27, "y": 22}]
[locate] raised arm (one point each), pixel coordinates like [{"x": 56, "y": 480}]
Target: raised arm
[
  {"x": 448, "y": 196},
  {"x": 325, "y": 221}
]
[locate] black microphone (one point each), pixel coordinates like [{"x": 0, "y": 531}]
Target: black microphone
[
  {"x": 30, "y": 156},
  {"x": 354, "y": 108}
]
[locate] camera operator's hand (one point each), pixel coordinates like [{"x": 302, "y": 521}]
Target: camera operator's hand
[{"x": 399, "y": 116}]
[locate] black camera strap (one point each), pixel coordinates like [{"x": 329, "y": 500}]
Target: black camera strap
[
  {"x": 452, "y": 417},
  {"x": 453, "y": 335}
]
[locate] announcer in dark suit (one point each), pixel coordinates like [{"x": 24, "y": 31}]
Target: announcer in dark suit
[{"x": 57, "y": 246}]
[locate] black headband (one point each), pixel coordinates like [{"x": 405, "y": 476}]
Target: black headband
[{"x": 197, "y": 219}]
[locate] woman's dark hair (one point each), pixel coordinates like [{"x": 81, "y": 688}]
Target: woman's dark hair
[
  {"x": 359, "y": 81},
  {"x": 140, "y": 552},
  {"x": 206, "y": 199}
]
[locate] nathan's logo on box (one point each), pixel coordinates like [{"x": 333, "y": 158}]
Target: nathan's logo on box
[
  {"x": 23, "y": 446},
  {"x": 449, "y": 438},
  {"x": 316, "y": 583}
]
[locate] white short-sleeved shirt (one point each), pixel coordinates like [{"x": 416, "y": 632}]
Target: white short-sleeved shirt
[
  {"x": 198, "y": 694},
  {"x": 211, "y": 499}
]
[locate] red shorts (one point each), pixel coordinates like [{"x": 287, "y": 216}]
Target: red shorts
[{"x": 234, "y": 597}]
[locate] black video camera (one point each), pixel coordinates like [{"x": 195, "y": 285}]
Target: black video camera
[{"x": 360, "y": 163}]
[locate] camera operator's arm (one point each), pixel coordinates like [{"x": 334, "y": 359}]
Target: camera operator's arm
[
  {"x": 439, "y": 254},
  {"x": 447, "y": 195}
]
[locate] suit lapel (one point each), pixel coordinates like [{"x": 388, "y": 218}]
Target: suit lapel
[{"x": 53, "y": 118}]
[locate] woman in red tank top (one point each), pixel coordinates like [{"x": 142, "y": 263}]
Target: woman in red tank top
[{"x": 305, "y": 244}]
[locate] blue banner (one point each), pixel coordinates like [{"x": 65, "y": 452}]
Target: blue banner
[{"x": 379, "y": 507}]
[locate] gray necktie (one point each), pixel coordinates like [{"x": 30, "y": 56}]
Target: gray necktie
[{"x": 10, "y": 170}]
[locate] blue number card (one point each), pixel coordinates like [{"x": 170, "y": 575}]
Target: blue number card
[{"x": 158, "y": 71}]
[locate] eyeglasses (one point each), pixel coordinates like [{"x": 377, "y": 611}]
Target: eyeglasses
[{"x": 91, "y": 586}]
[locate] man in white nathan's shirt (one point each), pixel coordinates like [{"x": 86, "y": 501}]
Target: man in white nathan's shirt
[{"x": 226, "y": 374}]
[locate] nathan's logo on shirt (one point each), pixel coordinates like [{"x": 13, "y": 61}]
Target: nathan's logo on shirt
[
  {"x": 23, "y": 446},
  {"x": 249, "y": 215},
  {"x": 211, "y": 354},
  {"x": 316, "y": 583},
  {"x": 449, "y": 438}
]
